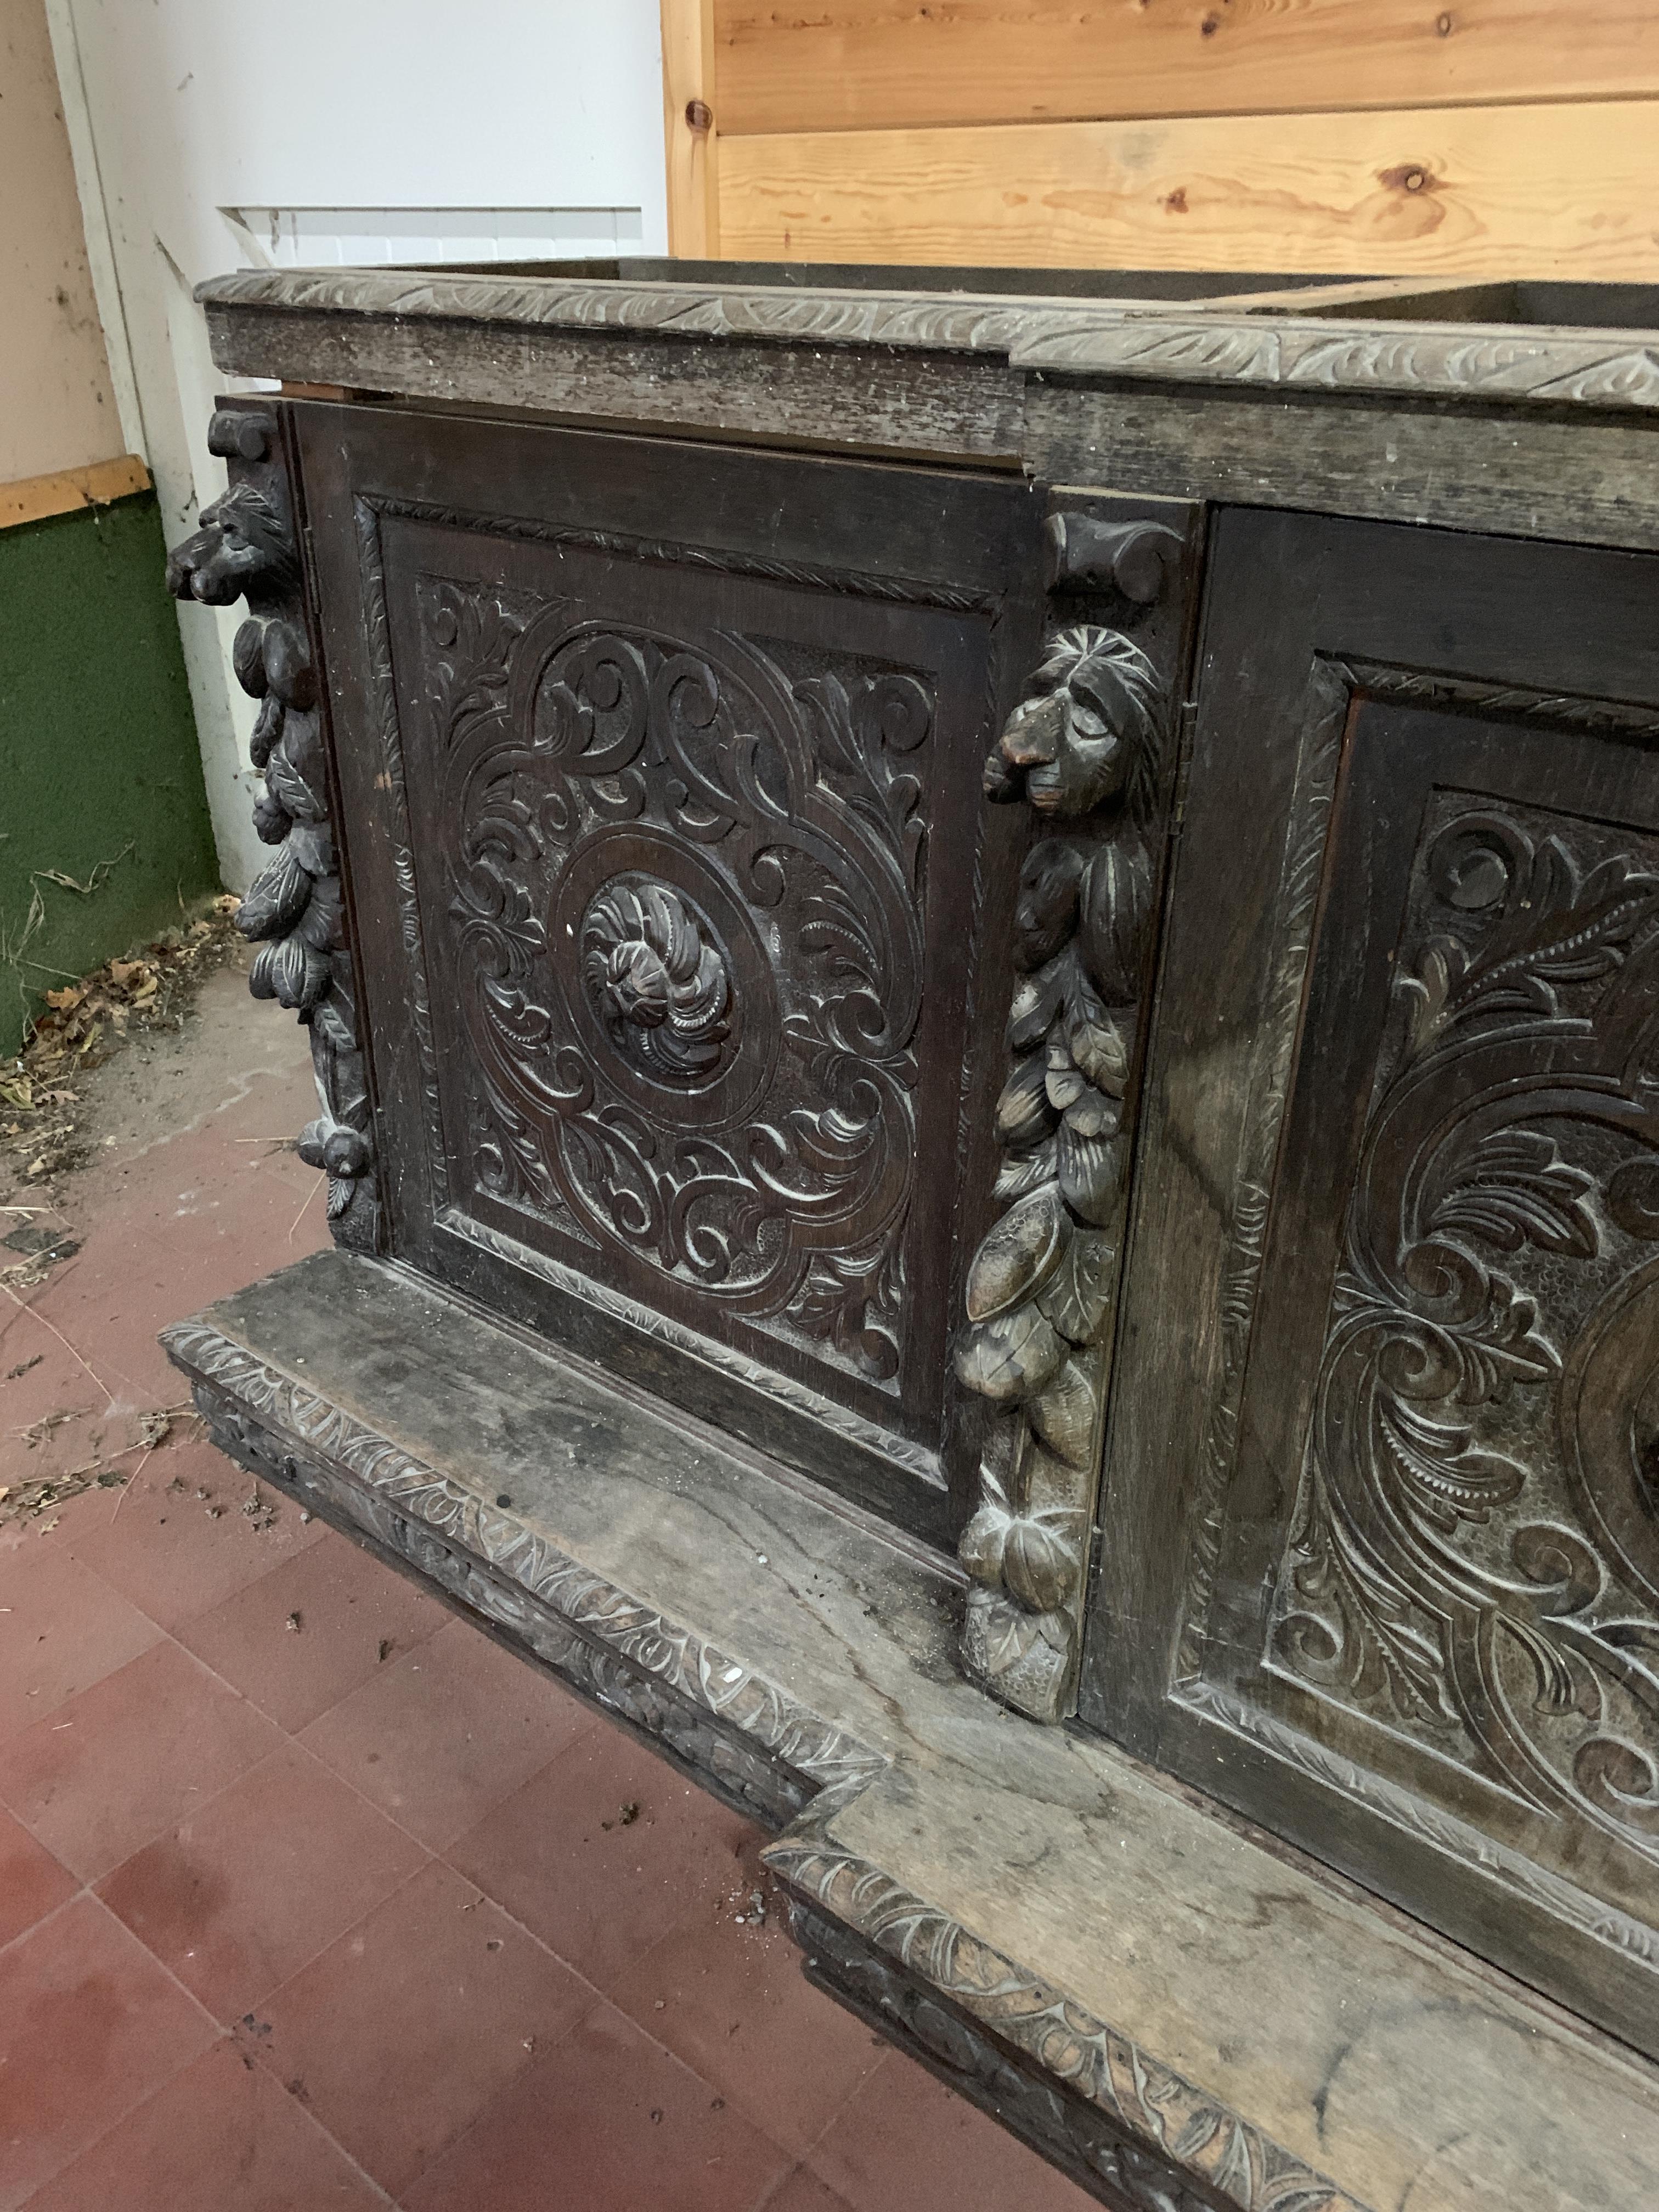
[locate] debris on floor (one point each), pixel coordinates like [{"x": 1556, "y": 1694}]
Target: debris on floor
[
  {"x": 40, "y": 1132},
  {"x": 116, "y": 1447},
  {"x": 754, "y": 1912}
]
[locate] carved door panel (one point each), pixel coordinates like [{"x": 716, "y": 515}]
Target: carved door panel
[
  {"x": 672, "y": 874},
  {"x": 1381, "y": 1549}
]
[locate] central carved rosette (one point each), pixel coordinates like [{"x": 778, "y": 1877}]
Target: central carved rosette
[
  {"x": 689, "y": 905},
  {"x": 658, "y": 983}
]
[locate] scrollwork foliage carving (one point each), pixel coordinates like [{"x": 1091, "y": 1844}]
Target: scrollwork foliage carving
[
  {"x": 1473, "y": 1558},
  {"x": 721, "y": 1083},
  {"x": 1086, "y": 747},
  {"x": 246, "y": 548},
  {"x": 1120, "y": 2122}
]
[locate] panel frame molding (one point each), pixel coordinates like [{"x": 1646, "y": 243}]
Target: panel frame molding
[{"x": 1152, "y": 1691}]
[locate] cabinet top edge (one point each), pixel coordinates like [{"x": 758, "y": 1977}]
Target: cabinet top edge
[{"x": 1243, "y": 339}]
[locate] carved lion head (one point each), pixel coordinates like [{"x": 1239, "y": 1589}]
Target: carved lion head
[{"x": 1070, "y": 745}]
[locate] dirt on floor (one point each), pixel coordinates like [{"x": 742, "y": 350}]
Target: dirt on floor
[
  {"x": 101, "y": 1068},
  {"x": 43, "y": 1127}
]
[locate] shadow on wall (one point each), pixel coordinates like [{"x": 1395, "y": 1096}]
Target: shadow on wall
[{"x": 104, "y": 832}]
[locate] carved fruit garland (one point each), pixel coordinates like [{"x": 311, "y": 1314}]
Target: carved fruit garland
[
  {"x": 245, "y": 549},
  {"x": 1040, "y": 1288}
]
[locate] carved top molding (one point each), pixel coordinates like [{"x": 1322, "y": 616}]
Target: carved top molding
[{"x": 1607, "y": 370}]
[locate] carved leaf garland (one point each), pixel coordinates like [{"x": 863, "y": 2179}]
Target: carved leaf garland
[
  {"x": 246, "y": 548},
  {"x": 1039, "y": 1291}
]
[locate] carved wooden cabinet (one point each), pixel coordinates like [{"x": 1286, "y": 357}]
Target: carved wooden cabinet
[
  {"x": 674, "y": 900},
  {"x": 1037, "y": 925},
  {"x": 1380, "y": 1558}
]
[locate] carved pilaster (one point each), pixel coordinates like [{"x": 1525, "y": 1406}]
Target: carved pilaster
[
  {"x": 1090, "y": 749},
  {"x": 248, "y": 549}
]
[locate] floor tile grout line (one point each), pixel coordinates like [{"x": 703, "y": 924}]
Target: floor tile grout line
[
  {"x": 455, "y": 1620},
  {"x": 542, "y": 2058},
  {"x": 326, "y": 2131},
  {"x": 224, "y": 2029},
  {"x": 431, "y": 1851},
  {"x": 598, "y": 1996},
  {"x": 892, "y": 2050},
  {"x": 289, "y": 1742},
  {"x": 50, "y": 1913},
  {"x": 139, "y": 2103},
  {"x": 769, "y": 2194},
  {"x": 225, "y": 2036},
  {"x": 211, "y": 1798},
  {"x": 429, "y": 1855},
  {"x": 534, "y": 2059},
  {"x": 165, "y": 1635},
  {"x": 292, "y": 1737},
  {"x": 206, "y": 2011}
]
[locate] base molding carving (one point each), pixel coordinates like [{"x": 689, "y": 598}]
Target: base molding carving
[{"x": 1087, "y": 2098}]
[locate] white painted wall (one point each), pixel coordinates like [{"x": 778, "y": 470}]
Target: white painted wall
[
  {"x": 423, "y": 123},
  {"x": 56, "y": 402}
]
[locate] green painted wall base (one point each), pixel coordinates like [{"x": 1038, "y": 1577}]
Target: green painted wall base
[{"x": 104, "y": 833}]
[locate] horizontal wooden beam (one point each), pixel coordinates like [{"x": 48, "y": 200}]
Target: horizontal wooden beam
[
  {"x": 877, "y": 64},
  {"x": 1548, "y": 191},
  {"x": 33, "y": 498}
]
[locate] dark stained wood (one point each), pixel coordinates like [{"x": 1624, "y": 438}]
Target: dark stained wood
[
  {"x": 1529, "y": 475},
  {"x": 672, "y": 882},
  {"x": 1090, "y": 756},
  {"x": 935, "y": 405},
  {"x": 1378, "y": 1561},
  {"x": 249, "y": 547},
  {"x": 1218, "y": 1188}
]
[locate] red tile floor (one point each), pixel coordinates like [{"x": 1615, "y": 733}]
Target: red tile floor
[{"x": 310, "y": 1896}]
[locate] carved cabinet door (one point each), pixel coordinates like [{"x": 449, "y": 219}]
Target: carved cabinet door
[
  {"x": 674, "y": 890},
  {"x": 1379, "y": 1548}
]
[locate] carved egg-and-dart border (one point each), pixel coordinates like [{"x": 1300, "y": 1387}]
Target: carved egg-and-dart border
[{"x": 1085, "y": 749}]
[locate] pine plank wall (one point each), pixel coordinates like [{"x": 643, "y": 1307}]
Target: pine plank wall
[{"x": 1491, "y": 137}]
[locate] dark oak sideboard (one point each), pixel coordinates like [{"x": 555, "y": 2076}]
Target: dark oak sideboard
[{"x": 984, "y": 975}]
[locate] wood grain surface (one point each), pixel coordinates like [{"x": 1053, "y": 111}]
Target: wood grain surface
[
  {"x": 689, "y": 143},
  {"x": 31, "y": 498},
  {"x": 872, "y": 65},
  {"x": 1547, "y": 190}
]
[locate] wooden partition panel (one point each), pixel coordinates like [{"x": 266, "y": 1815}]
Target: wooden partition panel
[
  {"x": 1501, "y": 138},
  {"x": 874, "y": 65}
]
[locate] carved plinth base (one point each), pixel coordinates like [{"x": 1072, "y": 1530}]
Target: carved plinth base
[{"x": 1024, "y": 1912}]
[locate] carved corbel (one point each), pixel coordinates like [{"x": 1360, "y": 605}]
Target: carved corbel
[
  {"x": 1088, "y": 749},
  {"x": 247, "y": 549}
]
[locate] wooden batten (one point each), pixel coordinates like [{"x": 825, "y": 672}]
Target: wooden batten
[
  {"x": 32, "y": 499},
  {"x": 1563, "y": 189},
  {"x": 1491, "y": 137},
  {"x": 690, "y": 128},
  {"x": 880, "y": 65}
]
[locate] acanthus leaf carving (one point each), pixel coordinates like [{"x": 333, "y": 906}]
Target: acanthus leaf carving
[
  {"x": 720, "y": 1084},
  {"x": 1087, "y": 747},
  {"x": 246, "y": 548},
  {"x": 1471, "y": 1560}
]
